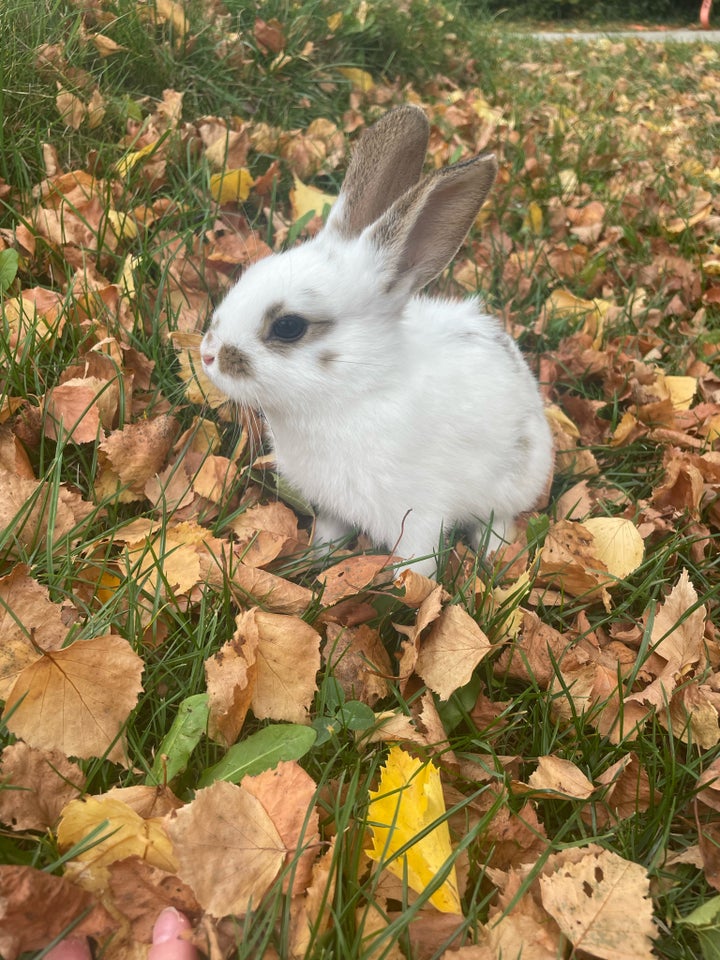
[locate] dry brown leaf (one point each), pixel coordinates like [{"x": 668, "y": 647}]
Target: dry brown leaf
[
  {"x": 36, "y": 785},
  {"x": 287, "y": 793},
  {"x": 523, "y": 929},
  {"x": 555, "y": 775},
  {"x": 230, "y": 686},
  {"x": 416, "y": 588},
  {"x": 79, "y": 408},
  {"x": 37, "y": 907},
  {"x": 428, "y": 611},
  {"x": 569, "y": 561},
  {"x": 228, "y": 848},
  {"x": 601, "y": 903},
  {"x": 28, "y": 507},
  {"x": 677, "y": 640},
  {"x": 214, "y": 478},
  {"x": 449, "y": 653},
  {"x": 312, "y": 913},
  {"x": 254, "y": 586},
  {"x": 354, "y": 575},
  {"x": 266, "y": 532},
  {"x": 693, "y": 716},
  {"x": 530, "y": 657},
  {"x": 76, "y": 700},
  {"x": 141, "y": 891},
  {"x": 133, "y": 455},
  {"x": 287, "y": 659},
  {"x": 359, "y": 662},
  {"x": 105, "y": 45},
  {"x": 29, "y": 624},
  {"x": 627, "y": 791}
]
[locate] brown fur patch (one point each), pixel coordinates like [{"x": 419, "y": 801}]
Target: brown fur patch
[{"x": 233, "y": 362}]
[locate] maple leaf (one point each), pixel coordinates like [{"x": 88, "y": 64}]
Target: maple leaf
[{"x": 408, "y": 802}]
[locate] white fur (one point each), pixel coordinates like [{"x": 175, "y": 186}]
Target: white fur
[{"x": 425, "y": 416}]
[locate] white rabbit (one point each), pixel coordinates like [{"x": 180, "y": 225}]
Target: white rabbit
[{"x": 394, "y": 414}]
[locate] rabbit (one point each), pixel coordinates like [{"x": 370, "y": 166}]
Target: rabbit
[{"x": 395, "y": 414}]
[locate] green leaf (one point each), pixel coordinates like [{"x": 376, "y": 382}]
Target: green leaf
[
  {"x": 261, "y": 751},
  {"x": 181, "y": 739},
  {"x": 705, "y": 921},
  {"x": 355, "y": 715},
  {"x": 8, "y": 268}
]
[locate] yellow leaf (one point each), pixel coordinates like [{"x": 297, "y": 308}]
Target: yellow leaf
[
  {"x": 712, "y": 428},
  {"x": 106, "y": 46},
  {"x": 712, "y": 267},
  {"x": 126, "y": 163},
  {"x": 334, "y": 21},
  {"x": 305, "y": 199},
  {"x": 125, "y": 833},
  {"x": 360, "y": 80},
  {"x": 533, "y": 218},
  {"x": 553, "y": 414},
  {"x": 408, "y": 801},
  {"x": 617, "y": 542},
  {"x": 562, "y": 303},
  {"x": 231, "y": 186},
  {"x": 174, "y": 14},
  {"x": 122, "y": 225},
  {"x": 568, "y": 183},
  {"x": 682, "y": 391}
]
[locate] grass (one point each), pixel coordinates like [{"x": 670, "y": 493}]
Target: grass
[{"x": 608, "y": 114}]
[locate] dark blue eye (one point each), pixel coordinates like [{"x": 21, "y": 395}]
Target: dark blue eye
[{"x": 288, "y": 328}]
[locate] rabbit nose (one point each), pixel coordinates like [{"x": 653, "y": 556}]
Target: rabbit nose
[{"x": 208, "y": 350}]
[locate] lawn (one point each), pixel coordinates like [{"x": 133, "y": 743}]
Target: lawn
[{"x": 336, "y": 762}]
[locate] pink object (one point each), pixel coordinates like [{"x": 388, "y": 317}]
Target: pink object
[
  {"x": 71, "y": 948},
  {"x": 168, "y": 941},
  {"x": 705, "y": 8}
]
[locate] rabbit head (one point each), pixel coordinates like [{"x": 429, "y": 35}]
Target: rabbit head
[{"x": 300, "y": 323}]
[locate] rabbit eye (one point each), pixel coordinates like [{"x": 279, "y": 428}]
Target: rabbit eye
[{"x": 288, "y": 328}]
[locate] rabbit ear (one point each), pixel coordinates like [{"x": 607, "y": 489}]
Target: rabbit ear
[
  {"x": 386, "y": 162},
  {"x": 421, "y": 233}
]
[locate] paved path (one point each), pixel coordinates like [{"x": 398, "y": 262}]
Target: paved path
[{"x": 662, "y": 36}]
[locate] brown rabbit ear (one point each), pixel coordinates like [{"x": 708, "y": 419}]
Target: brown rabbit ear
[
  {"x": 386, "y": 162},
  {"x": 421, "y": 233}
]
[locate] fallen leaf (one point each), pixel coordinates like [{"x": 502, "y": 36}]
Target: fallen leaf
[
  {"x": 602, "y": 904},
  {"x": 228, "y": 848},
  {"x": 305, "y": 200},
  {"x": 286, "y": 654},
  {"x": 231, "y": 186},
  {"x": 558, "y": 776},
  {"x": 36, "y": 785},
  {"x": 409, "y": 802},
  {"x": 449, "y": 653},
  {"x": 38, "y": 907},
  {"x": 117, "y": 832},
  {"x": 617, "y": 543},
  {"x": 677, "y": 640},
  {"x": 76, "y": 700}
]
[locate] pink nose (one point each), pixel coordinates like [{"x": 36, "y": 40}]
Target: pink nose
[{"x": 207, "y": 358}]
